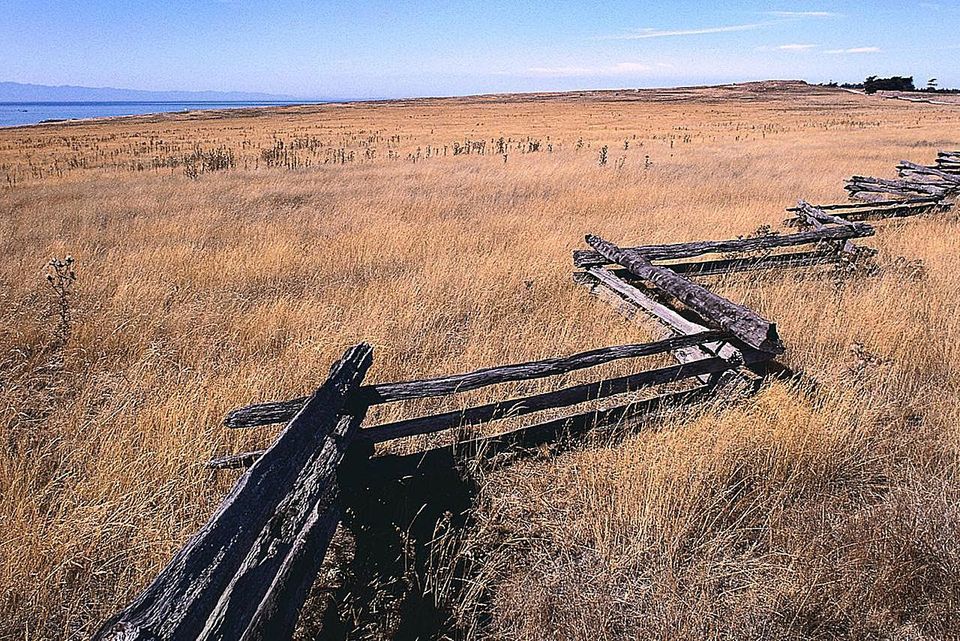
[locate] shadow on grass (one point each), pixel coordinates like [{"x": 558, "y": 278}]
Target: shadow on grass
[
  {"x": 406, "y": 521},
  {"x": 404, "y": 517}
]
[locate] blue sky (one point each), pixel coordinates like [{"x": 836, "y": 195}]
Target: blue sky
[{"x": 340, "y": 49}]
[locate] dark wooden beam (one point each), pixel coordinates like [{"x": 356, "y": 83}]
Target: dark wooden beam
[
  {"x": 538, "y": 402},
  {"x": 547, "y": 433},
  {"x": 389, "y": 392},
  {"x": 519, "y": 406},
  {"x": 279, "y": 411},
  {"x": 246, "y": 573},
  {"x": 740, "y": 321},
  {"x": 234, "y": 461},
  {"x": 591, "y": 258}
]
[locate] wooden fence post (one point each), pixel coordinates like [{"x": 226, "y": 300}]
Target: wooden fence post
[{"x": 246, "y": 573}]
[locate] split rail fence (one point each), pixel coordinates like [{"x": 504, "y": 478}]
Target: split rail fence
[{"x": 247, "y": 572}]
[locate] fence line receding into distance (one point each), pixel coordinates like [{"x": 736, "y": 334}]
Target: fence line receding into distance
[{"x": 247, "y": 572}]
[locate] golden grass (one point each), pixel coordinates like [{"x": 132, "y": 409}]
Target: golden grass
[{"x": 798, "y": 513}]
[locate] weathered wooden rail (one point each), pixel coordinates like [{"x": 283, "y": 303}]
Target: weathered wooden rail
[
  {"x": 247, "y": 573},
  {"x": 948, "y": 161},
  {"x": 876, "y": 210},
  {"x": 647, "y": 283},
  {"x": 366, "y": 396},
  {"x": 940, "y": 180},
  {"x": 591, "y": 258}
]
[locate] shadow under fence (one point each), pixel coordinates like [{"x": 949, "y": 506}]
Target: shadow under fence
[{"x": 404, "y": 523}]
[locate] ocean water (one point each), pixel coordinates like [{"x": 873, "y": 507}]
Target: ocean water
[{"x": 13, "y": 114}]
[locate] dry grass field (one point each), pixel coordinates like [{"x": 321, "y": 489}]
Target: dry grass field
[{"x": 225, "y": 258}]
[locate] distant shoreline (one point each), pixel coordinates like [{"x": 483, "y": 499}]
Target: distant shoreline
[
  {"x": 12, "y": 114},
  {"x": 32, "y": 113},
  {"x": 163, "y": 102}
]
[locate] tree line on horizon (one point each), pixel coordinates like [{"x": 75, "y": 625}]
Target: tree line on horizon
[{"x": 873, "y": 84}]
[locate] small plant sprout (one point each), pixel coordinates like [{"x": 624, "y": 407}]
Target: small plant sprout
[{"x": 602, "y": 160}]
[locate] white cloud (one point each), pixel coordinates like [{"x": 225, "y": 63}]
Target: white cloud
[
  {"x": 642, "y": 34},
  {"x": 787, "y": 47},
  {"x": 856, "y": 50},
  {"x": 803, "y": 14},
  {"x": 782, "y": 16}
]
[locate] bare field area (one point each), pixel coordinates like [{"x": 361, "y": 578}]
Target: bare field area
[{"x": 223, "y": 258}]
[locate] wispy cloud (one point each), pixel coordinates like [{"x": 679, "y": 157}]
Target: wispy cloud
[
  {"x": 618, "y": 69},
  {"x": 795, "y": 47},
  {"x": 780, "y": 18},
  {"x": 804, "y": 14},
  {"x": 855, "y": 50},
  {"x": 642, "y": 34}
]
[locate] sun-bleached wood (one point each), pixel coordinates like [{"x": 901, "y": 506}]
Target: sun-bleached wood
[
  {"x": 591, "y": 258},
  {"x": 278, "y": 411},
  {"x": 907, "y": 168},
  {"x": 877, "y": 210},
  {"x": 636, "y": 306},
  {"x": 889, "y": 186},
  {"x": 819, "y": 219},
  {"x": 754, "y": 263},
  {"x": 246, "y": 573},
  {"x": 746, "y": 325},
  {"x": 669, "y": 318},
  {"x": 662, "y": 322},
  {"x": 923, "y": 200}
]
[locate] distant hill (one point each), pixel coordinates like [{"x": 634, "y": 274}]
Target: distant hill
[{"x": 19, "y": 92}]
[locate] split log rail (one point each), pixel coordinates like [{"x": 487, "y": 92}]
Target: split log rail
[
  {"x": 939, "y": 181},
  {"x": 874, "y": 210}
]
